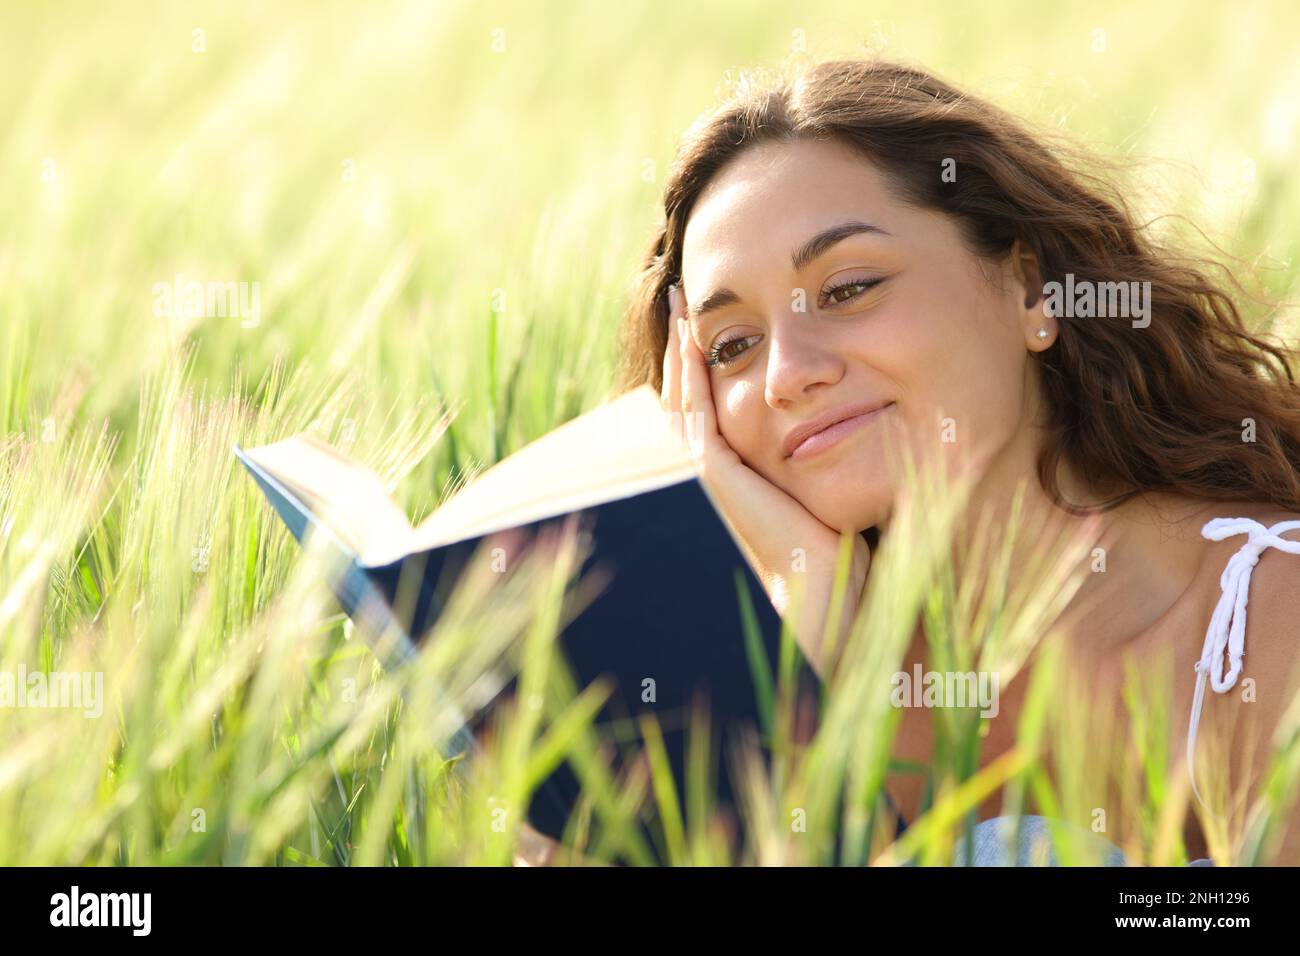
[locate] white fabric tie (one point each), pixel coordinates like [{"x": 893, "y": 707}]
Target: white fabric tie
[{"x": 1227, "y": 630}]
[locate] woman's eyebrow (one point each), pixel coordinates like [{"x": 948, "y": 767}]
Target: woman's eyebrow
[
  {"x": 819, "y": 243},
  {"x": 800, "y": 258}
]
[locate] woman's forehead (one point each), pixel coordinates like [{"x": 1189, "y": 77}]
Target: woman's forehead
[{"x": 782, "y": 193}]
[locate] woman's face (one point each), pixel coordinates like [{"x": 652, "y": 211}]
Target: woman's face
[{"x": 900, "y": 313}]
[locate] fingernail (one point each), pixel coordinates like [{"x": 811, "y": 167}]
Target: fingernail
[{"x": 681, "y": 329}]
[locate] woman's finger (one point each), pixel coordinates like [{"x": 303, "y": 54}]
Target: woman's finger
[
  {"x": 697, "y": 395},
  {"x": 670, "y": 391}
]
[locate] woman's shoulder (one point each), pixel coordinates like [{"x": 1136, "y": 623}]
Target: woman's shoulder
[
  {"x": 1269, "y": 571},
  {"x": 1229, "y": 527},
  {"x": 1233, "y": 528}
]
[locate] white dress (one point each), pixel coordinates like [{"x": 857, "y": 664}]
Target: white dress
[{"x": 1227, "y": 630}]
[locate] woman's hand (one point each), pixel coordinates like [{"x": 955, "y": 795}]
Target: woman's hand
[{"x": 771, "y": 525}]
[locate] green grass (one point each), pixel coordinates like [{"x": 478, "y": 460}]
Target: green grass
[{"x": 443, "y": 228}]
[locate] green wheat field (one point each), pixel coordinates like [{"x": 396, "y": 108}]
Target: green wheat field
[{"x": 432, "y": 214}]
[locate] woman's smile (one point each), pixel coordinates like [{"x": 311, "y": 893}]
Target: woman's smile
[{"x": 834, "y": 434}]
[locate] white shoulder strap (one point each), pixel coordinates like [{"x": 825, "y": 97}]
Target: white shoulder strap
[{"x": 1227, "y": 628}]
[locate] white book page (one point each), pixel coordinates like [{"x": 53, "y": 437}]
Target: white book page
[{"x": 622, "y": 448}]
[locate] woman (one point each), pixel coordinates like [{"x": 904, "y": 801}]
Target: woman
[{"x": 864, "y": 255}]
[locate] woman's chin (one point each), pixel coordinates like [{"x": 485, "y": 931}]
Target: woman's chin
[
  {"x": 855, "y": 513},
  {"x": 852, "y": 496}
]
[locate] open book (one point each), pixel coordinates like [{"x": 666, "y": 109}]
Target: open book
[{"x": 681, "y": 605}]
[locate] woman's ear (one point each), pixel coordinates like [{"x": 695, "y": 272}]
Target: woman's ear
[
  {"x": 1027, "y": 275},
  {"x": 1027, "y": 272}
]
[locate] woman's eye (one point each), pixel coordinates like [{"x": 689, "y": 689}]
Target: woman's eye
[
  {"x": 854, "y": 286},
  {"x": 727, "y": 352},
  {"x": 722, "y": 354}
]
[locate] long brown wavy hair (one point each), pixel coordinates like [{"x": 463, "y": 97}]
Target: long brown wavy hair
[{"x": 1162, "y": 408}]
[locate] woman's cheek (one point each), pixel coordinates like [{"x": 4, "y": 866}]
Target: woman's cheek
[{"x": 738, "y": 407}]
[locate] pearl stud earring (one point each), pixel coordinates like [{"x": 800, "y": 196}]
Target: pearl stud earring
[{"x": 1042, "y": 335}]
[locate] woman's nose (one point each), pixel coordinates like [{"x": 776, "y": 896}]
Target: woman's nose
[{"x": 796, "y": 364}]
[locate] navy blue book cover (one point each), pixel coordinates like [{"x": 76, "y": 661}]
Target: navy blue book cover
[{"x": 673, "y": 611}]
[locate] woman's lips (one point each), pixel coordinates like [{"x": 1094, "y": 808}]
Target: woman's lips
[{"x": 819, "y": 441}]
